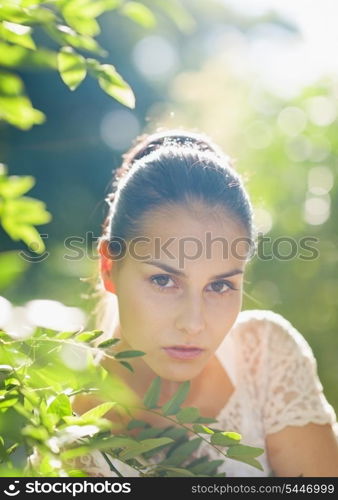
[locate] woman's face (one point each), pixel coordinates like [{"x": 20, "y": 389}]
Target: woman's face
[{"x": 171, "y": 299}]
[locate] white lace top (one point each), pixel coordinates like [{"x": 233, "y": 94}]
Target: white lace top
[{"x": 274, "y": 372}]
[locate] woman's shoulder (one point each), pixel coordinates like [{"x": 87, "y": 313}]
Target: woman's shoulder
[
  {"x": 277, "y": 333},
  {"x": 258, "y": 321},
  {"x": 261, "y": 316}
]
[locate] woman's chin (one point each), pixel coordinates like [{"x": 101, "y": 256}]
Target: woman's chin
[{"x": 179, "y": 374}]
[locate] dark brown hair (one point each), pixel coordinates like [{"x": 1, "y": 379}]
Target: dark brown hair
[{"x": 168, "y": 168}]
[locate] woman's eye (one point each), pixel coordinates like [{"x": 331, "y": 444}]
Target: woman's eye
[
  {"x": 160, "y": 280},
  {"x": 221, "y": 286}
]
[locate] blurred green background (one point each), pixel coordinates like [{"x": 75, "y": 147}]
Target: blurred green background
[{"x": 261, "y": 79}]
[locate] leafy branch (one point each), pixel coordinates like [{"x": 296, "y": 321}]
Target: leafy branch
[
  {"x": 72, "y": 26},
  {"x": 19, "y": 214},
  {"x": 177, "y": 454},
  {"x": 36, "y": 387}
]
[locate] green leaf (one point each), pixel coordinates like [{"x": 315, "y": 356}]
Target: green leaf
[
  {"x": 114, "y": 85},
  {"x": 42, "y": 332},
  {"x": 10, "y": 84},
  {"x": 187, "y": 415},
  {"x": 135, "y": 424},
  {"x": 75, "y": 452},
  {"x": 32, "y": 395},
  {"x": 76, "y": 473},
  {"x": 8, "y": 401},
  {"x": 226, "y": 439},
  {"x": 114, "y": 443},
  {"x": 183, "y": 451},
  {"x": 10, "y": 382},
  {"x": 89, "y": 9},
  {"x": 142, "y": 447},
  {"x": 17, "y": 34},
  {"x": 65, "y": 335},
  {"x": 150, "y": 432},
  {"x": 83, "y": 25},
  {"x": 49, "y": 420},
  {"x": 19, "y": 214},
  {"x": 127, "y": 365},
  {"x": 60, "y": 406},
  {"x": 88, "y": 336},
  {"x": 177, "y": 472},
  {"x": 139, "y": 13},
  {"x": 11, "y": 55},
  {"x": 34, "y": 15},
  {"x": 241, "y": 451},
  {"x": 153, "y": 393},
  {"x": 66, "y": 36},
  {"x": 206, "y": 420},
  {"x": 103, "y": 424},
  {"x": 99, "y": 410},
  {"x": 27, "y": 406},
  {"x": 174, "y": 432},
  {"x": 108, "y": 343},
  {"x": 177, "y": 434},
  {"x": 18, "y": 111},
  {"x": 198, "y": 461},
  {"x": 12, "y": 448},
  {"x": 22, "y": 411},
  {"x": 202, "y": 429},
  {"x": 72, "y": 67},
  {"x": 249, "y": 460},
  {"x": 207, "y": 469},
  {"x": 112, "y": 82},
  {"x": 26, "y": 210},
  {"x": 129, "y": 354},
  {"x": 26, "y": 233},
  {"x": 173, "y": 405},
  {"x": 39, "y": 433},
  {"x": 15, "y": 186}
]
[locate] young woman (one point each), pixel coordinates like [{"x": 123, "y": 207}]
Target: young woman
[{"x": 173, "y": 253}]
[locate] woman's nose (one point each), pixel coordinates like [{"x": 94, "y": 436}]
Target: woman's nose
[{"x": 191, "y": 316}]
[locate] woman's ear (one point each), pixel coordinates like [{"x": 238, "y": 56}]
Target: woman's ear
[{"x": 106, "y": 266}]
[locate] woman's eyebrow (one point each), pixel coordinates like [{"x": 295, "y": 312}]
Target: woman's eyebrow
[{"x": 172, "y": 270}]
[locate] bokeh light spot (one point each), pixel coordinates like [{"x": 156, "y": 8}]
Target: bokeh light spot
[
  {"x": 119, "y": 128},
  {"x": 155, "y": 57}
]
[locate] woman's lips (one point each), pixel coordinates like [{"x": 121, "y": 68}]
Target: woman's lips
[{"x": 183, "y": 353}]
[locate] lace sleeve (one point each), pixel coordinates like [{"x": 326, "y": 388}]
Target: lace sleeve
[{"x": 294, "y": 394}]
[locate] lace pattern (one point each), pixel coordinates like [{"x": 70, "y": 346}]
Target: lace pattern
[{"x": 294, "y": 393}]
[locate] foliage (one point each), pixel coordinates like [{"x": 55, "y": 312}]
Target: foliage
[
  {"x": 40, "y": 434},
  {"x": 71, "y": 26},
  {"x": 19, "y": 214}
]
